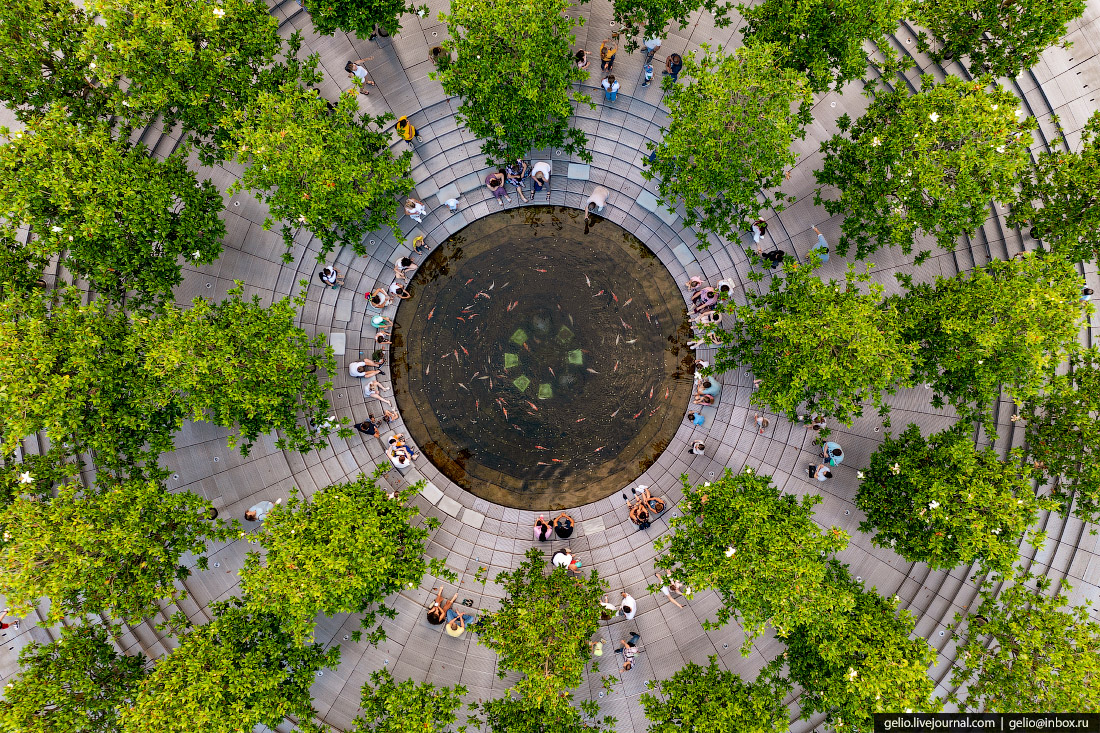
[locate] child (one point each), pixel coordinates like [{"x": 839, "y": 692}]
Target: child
[{"x": 648, "y": 75}]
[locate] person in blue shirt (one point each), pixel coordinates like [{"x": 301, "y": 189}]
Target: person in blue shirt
[
  {"x": 696, "y": 418},
  {"x": 833, "y": 453},
  {"x": 822, "y": 247}
]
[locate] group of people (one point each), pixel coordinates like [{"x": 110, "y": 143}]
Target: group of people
[
  {"x": 563, "y": 527},
  {"x": 644, "y": 507},
  {"x": 399, "y": 452},
  {"x": 517, "y": 174},
  {"x": 673, "y": 65},
  {"x": 831, "y": 456},
  {"x": 440, "y": 612}
]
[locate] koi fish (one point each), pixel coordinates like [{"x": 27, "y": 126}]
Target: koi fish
[
  {"x": 557, "y": 460},
  {"x": 599, "y": 449},
  {"x": 493, "y": 285},
  {"x": 552, "y": 371},
  {"x": 427, "y": 370},
  {"x": 591, "y": 370},
  {"x": 517, "y": 427},
  {"x": 526, "y": 347},
  {"x": 505, "y": 411},
  {"x": 471, "y": 317},
  {"x": 516, "y": 304},
  {"x": 650, "y": 393},
  {"x": 540, "y": 463},
  {"x": 460, "y": 384},
  {"x": 481, "y": 294},
  {"x": 539, "y": 270},
  {"x": 469, "y": 281},
  {"x": 431, "y": 313},
  {"x": 505, "y": 285},
  {"x": 589, "y": 282},
  {"x": 570, "y": 319},
  {"x": 477, "y": 405},
  {"x": 625, "y": 324},
  {"x": 628, "y": 302},
  {"x": 540, "y": 447},
  {"x": 466, "y": 310},
  {"x": 616, "y": 367},
  {"x": 666, "y": 393},
  {"x": 532, "y": 404},
  {"x": 467, "y": 353},
  {"x": 460, "y": 318},
  {"x": 653, "y": 410},
  {"x": 582, "y": 419},
  {"x": 638, "y": 413},
  {"x": 617, "y": 337},
  {"x": 647, "y": 317},
  {"x": 475, "y": 375},
  {"x": 598, "y": 294},
  {"x": 485, "y": 377},
  {"x": 616, "y": 412},
  {"x": 531, "y": 414},
  {"x": 614, "y": 296},
  {"x": 490, "y": 382},
  {"x": 456, "y": 356},
  {"x": 631, "y": 341}
]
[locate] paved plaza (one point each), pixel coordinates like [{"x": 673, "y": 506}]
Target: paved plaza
[{"x": 475, "y": 533}]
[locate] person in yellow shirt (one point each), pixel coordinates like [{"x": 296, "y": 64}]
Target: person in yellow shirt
[{"x": 407, "y": 131}]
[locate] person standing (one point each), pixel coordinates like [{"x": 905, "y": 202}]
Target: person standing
[
  {"x": 357, "y": 71},
  {"x": 652, "y": 46},
  {"x": 415, "y": 209},
  {"x": 821, "y": 248},
  {"x": 610, "y": 88},
  {"x": 673, "y": 64},
  {"x": 648, "y": 71},
  {"x": 407, "y": 131},
  {"x": 540, "y": 177},
  {"x": 758, "y": 228},
  {"x": 761, "y": 422},
  {"x": 331, "y": 276},
  {"x": 607, "y": 55},
  {"x": 628, "y": 607},
  {"x": 833, "y": 453},
  {"x": 698, "y": 448}
]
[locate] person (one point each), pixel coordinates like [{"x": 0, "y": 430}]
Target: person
[
  {"x": 389, "y": 415},
  {"x": 359, "y": 369},
  {"x": 402, "y": 267},
  {"x": 357, "y": 71},
  {"x": 437, "y": 612},
  {"x": 415, "y": 209},
  {"x": 698, "y": 448},
  {"x": 259, "y": 511},
  {"x": 379, "y": 298},
  {"x": 540, "y": 176},
  {"x": 774, "y": 258},
  {"x": 647, "y": 70},
  {"x": 543, "y": 529},
  {"x": 815, "y": 422},
  {"x": 628, "y": 606},
  {"x": 610, "y": 88},
  {"x": 564, "y": 525},
  {"x": 673, "y": 64},
  {"x": 400, "y": 459},
  {"x": 581, "y": 57},
  {"x": 629, "y": 650},
  {"x": 399, "y": 290},
  {"x": 653, "y": 504},
  {"x": 456, "y": 623},
  {"x": 4, "y": 624},
  {"x": 418, "y": 244},
  {"x": 369, "y": 427},
  {"x": 820, "y": 472},
  {"x": 709, "y": 385},
  {"x": 652, "y": 46},
  {"x": 707, "y": 339},
  {"x": 758, "y": 228},
  {"x": 378, "y": 31},
  {"x": 695, "y": 284},
  {"x": 672, "y": 586},
  {"x": 702, "y": 399},
  {"x": 596, "y": 201},
  {"x": 374, "y": 389},
  {"x": 607, "y": 55},
  {"x": 696, "y": 418},
  {"x": 639, "y": 515},
  {"x": 706, "y": 319},
  {"x": 596, "y": 647},
  {"x": 833, "y": 453},
  {"x": 564, "y": 559},
  {"x": 706, "y": 299},
  {"x": 822, "y": 247},
  {"x": 380, "y": 321},
  {"x": 495, "y": 183},
  {"x": 331, "y": 276},
  {"x": 407, "y": 131},
  {"x": 382, "y": 337},
  {"x": 516, "y": 173},
  {"x": 607, "y": 610},
  {"x": 1086, "y": 294},
  {"x": 761, "y": 422},
  {"x": 452, "y": 205}
]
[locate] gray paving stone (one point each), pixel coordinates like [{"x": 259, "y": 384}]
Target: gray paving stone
[
  {"x": 472, "y": 518},
  {"x": 578, "y": 171},
  {"x": 449, "y": 505},
  {"x": 338, "y": 342}
]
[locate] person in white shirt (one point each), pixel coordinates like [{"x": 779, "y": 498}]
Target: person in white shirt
[
  {"x": 628, "y": 607},
  {"x": 596, "y": 201},
  {"x": 359, "y": 368},
  {"x": 357, "y": 71},
  {"x": 610, "y": 88},
  {"x": 331, "y": 276},
  {"x": 540, "y": 174}
]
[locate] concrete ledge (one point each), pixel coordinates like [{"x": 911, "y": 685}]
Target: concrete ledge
[{"x": 338, "y": 341}]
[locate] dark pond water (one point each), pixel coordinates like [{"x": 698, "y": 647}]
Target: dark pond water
[{"x": 539, "y": 364}]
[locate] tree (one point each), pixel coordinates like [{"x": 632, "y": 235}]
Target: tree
[
  {"x": 189, "y": 60},
  {"x": 406, "y": 707},
  {"x": 330, "y": 172},
  {"x": 120, "y": 218},
  {"x": 823, "y": 345},
  {"x": 1001, "y": 38},
  {"x": 74, "y": 684},
  {"x": 36, "y": 474},
  {"x": 360, "y": 18},
  {"x": 650, "y": 18},
  {"x": 234, "y": 673},
  {"x": 523, "y": 710},
  {"x": 944, "y": 502},
  {"x": 1062, "y": 434},
  {"x": 114, "y": 549},
  {"x": 1022, "y": 651},
  {"x": 1060, "y": 197},
  {"x": 729, "y": 138},
  {"x": 860, "y": 662},
  {"x": 20, "y": 267},
  {"x": 342, "y": 551},
  {"x": 928, "y": 162},
  {"x": 710, "y": 700},
  {"x": 40, "y": 65},
  {"x": 1004, "y": 324},
  {"x": 239, "y": 364},
  {"x": 759, "y": 549},
  {"x": 824, "y": 38},
  {"x": 76, "y": 373},
  {"x": 513, "y": 70}
]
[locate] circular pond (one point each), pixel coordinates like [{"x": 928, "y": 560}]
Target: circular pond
[{"x": 542, "y": 363}]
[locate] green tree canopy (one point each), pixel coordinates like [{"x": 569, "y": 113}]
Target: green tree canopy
[
  {"x": 36, "y": 474},
  {"x": 824, "y": 38},
  {"x": 1000, "y": 38},
  {"x": 650, "y": 18},
  {"x": 523, "y": 709},
  {"x": 827, "y": 346},
  {"x": 860, "y": 662},
  {"x": 1060, "y": 197},
  {"x": 1005, "y": 324},
  {"x": 190, "y": 60},
  {"x": 729, "y": 138},
  {"x": 924, "y": 163},
  {"x": 711, "y": 700},
  {"x": 234, "y": 673},
  {"x": 342, "y": 551},
  {"x": 514, "y": 70},
  {"x": 759, "y": 549},
  {"x": 40, "y": 65},
  {"x": 72, "y": 685},
  {"x": 1023, "y": 651},
  {"x": 75, "y": 372},
  {"x": 1063, "y": 435},
  {"x": 406, "y": 707},
  {"x": 115, "y": 549},
  {"x": 239, "y": 364},
  {"x": 331, "y": 172},
  {"x": 944, "y": 502},
  {"x": 20, "y": 267},
  {"x": 121, "y": 218},
  {"x": 360, "y": 16}
]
